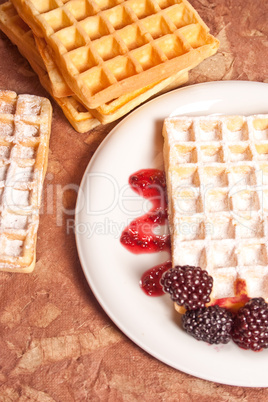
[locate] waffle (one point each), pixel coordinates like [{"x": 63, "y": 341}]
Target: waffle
[
  {"x": 25, "y": 122},
  {"x": 81, "y": 118},
  {"x": 217, "y": 183},
  {"x": 21, "y": 35},
  {"x": 58, "y": 84},
  {"x": 117, "y": 108},
  {"x": 111, "y": 48}
]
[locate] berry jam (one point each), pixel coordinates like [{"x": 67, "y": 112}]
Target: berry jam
[
  {"x": 139, "y": 236},
  {"x": 150, "y": 280},
  {"x": 239, "y": 300}
]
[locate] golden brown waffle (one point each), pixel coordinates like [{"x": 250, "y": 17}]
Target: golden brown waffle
[
  {"x": 125, "y": 103},
  {"x": 21, "y": 35},
  {"x": 58, "y": 85},
  {"x": 108, "y": 49},
  {"x": 217, "y": 181},
  {"x": 80, "y": 117},
  {"x": 117, "y": 108},
  {"x": 25, "y": 123}
]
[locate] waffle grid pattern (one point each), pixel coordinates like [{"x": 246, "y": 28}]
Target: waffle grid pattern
[
  {"x": 105, "y": 46},
  {"x": 218, "y": 190},
  {"x": 116, "y": 108},
  {"x": 43, "y": 64},
  {"x": 24, "y": 134}
]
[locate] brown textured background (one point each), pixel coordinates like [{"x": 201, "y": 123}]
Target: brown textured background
[{"x": 56, "y": 342}]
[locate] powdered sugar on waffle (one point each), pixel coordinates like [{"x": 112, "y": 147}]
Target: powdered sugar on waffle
[
  {"x": 23, "y": 159},
  {"x": 217, "y": 180}
]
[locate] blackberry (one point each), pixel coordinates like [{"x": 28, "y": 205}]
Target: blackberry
[
  {"x": 250, "y": 330},
  {"x": 188, "y": 286},
  {"x": 212, "y": 324}
]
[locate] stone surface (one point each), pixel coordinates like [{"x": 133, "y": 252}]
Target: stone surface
[{"x": 56, "y": 342}]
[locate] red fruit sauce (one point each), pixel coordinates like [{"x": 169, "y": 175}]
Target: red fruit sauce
[
  {"x": 239, "y": 300},
  {"x": 139, "y": 236},
  {"x": 150, "y": 280}
]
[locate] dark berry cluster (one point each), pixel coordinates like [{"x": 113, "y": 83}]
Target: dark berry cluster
[
  {"x": 188, "y": 286},
  {"x": 250, "y": 328},
  {"x": 212, "y": 324},
  {"x": 191, "y": 287}
]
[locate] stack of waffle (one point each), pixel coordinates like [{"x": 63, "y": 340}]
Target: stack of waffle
[
  {"x": 100, "y": 59},
  {"x": 217, "y": 181}
]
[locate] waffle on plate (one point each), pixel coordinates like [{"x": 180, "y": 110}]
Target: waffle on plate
[{"x": 217, "y": 182}]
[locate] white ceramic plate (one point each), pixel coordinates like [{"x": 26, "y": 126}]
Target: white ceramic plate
[{"x": 106, "y": 204}]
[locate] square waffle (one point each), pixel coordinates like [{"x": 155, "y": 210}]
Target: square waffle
[
  {"x": 118, "y": 107},
  {"x": 25, "y": 123},
  {"x": 82, "y": 119},
  {"x": 217, "y": 183},
  {"x": 21, "y": 35},
  {"x": 106, "y": 49}
]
